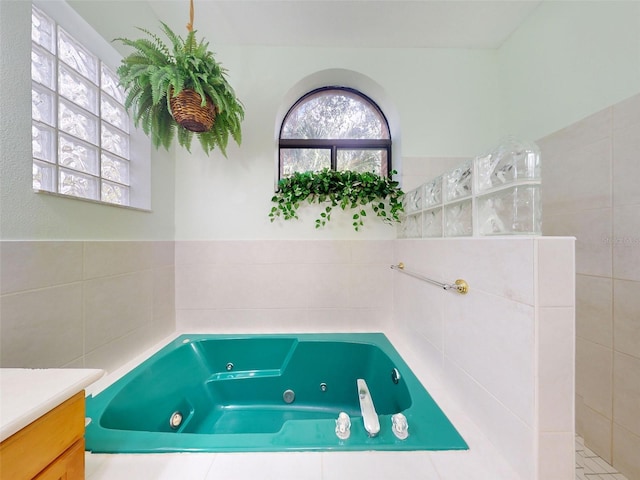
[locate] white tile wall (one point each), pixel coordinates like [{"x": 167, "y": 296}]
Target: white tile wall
[
  {"x": 627, "y": 305},
  {"x": 276, "y": 285},
  {"x": 83, "y": 304},
  {"x": 107, "y": 259},
  {"x": 626, "y": 446},
  {"x": 507, "y": 347},
  {"x": 594, "y": 296},
  {"x": 592, "y": 229},
  {"x": 589, "y": 169},
  {"x": 25, "y": 267},
  {"x": 499, "y": 332},
  {"x": 598, "y": 429},
  {"x": 42, "y": 327},
  {"x": 626, "y": 238},
  {"x": 555, "y": 257},
  {"x": 556, "y": 455},
  {"x": 594, "y": 381},
  {"x": 590, "y": 172},
  {"x": 556, "y": 366},
  {"x": 626, "y": 391}
]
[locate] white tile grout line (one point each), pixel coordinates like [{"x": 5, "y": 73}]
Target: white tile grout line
[{"x": 589, "y": 466}]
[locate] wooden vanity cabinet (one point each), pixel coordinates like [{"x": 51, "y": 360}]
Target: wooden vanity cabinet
[{"x": 49, "y": 448}]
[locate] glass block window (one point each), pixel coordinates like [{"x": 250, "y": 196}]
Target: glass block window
[
  {"x": 80, "y": 128},
  {"x": 337, "y": 128}
]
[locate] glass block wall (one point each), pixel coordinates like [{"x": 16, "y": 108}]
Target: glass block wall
[
  {"x": 493, "y": 194},
  {"x": 80, "y": 128}
]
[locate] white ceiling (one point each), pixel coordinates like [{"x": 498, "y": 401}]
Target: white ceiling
[{"x": 330, "y": 23}]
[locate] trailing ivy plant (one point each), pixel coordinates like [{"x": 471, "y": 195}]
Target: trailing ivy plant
[{"x": 345, "y": 189}]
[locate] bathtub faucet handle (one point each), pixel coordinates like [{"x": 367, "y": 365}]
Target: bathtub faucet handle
[
  {"x": 343, "y": 426},
  {"x": 400, "y": 426}
]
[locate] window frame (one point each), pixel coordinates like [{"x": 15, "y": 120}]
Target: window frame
[
  {"x": 335, "y": 144},
  {"x": 138, "y": 196}
]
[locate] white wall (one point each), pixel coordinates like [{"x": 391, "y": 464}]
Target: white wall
[
  {"x": 25, "y": 215},
  {"x": 567, "y": 61},
  {"x": 439, "y": 102}
]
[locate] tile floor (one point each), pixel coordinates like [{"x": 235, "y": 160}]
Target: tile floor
[{"x": 590, "y": 466}]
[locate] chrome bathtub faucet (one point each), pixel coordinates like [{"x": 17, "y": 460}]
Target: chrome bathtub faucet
[{"x": 369, "y": 414}]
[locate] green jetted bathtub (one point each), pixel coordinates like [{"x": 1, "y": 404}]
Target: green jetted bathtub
[{"x": 236, "y": 393}]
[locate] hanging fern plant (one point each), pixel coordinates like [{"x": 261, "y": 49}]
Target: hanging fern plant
[
  {"x": 344, "y": 189},
  {"x": 161, "y": 80}
]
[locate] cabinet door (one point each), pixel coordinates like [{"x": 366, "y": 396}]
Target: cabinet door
[
  {"x": 28, "y": 452},
  {"x": 68, "y": 466}
]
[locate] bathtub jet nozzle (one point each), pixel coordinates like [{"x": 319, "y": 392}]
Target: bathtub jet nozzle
[
  {"x": 395, "y": 376},
  {"x": 175, "y": 420},
  {"x": 289, "y": 396}
]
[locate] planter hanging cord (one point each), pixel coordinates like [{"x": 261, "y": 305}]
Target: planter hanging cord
[{"x": 190, "y": 24}]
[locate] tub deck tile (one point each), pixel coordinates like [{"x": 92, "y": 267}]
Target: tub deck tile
[
  {"x": 266, "y": 466},
  {"x": 168, "y": 466}
]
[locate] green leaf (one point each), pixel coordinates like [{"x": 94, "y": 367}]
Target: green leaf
[{"x": 340, "y": 188}]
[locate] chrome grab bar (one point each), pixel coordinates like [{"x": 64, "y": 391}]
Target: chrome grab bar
[{"x": 459, "y": 286}]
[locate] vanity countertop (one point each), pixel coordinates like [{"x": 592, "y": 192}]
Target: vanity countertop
[{"x": 27, "y": 394}]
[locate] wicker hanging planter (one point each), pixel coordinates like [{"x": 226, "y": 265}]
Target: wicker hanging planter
[
  {"x": 186, "y": 107},
  {"x": 149, "y": 76},
  {"x": 188, "y": 111}
]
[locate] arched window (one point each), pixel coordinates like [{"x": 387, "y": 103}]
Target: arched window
[{"x": 337, "y": 128}]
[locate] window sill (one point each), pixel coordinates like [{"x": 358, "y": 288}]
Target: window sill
[{"x": 89, "y": 200}]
